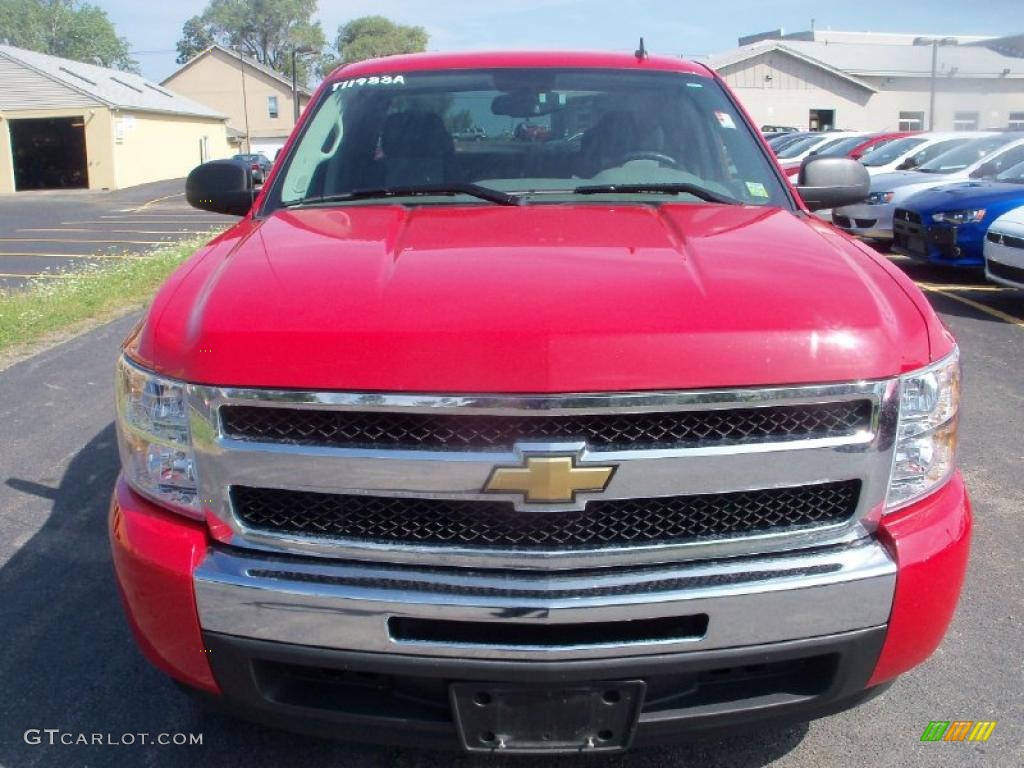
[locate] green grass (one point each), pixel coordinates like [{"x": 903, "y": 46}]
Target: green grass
[{"x": 49, "y": 305}]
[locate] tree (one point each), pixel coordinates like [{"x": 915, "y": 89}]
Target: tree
[
  {"x": 264, "y": 30},
  {"x": 68, "y": 28},
  {"x": 369, "y": 37}
]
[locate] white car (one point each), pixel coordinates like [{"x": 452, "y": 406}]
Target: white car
[
  {"x": 981, "y": 158},
  {"x": 911, "y": 152},
  {"x": 1004, "y": 249},
  {"x": 801, "y": 148}
]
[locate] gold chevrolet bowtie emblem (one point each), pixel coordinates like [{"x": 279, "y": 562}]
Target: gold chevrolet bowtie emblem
[{"x": 548, "y": 479}]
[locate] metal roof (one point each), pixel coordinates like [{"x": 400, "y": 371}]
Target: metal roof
[
  {"x": 879, "y": 60},
  {"x": 110, "y": 87},
  {"x": 249, "y": 62}
]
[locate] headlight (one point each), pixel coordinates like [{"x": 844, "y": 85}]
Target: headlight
[
  {"x": 153, "y": 435},
  {"x": 880, "y": 198},
  {"x": 925, "y": 453},
  {"x": 966, "y": 216}
]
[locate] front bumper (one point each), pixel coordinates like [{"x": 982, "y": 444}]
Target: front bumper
[
  {"x": 870, "y": 221},
  {"x": 1004, "y": 263},
  {"x": 955, "y": 246},
  {"x": 284, "y": 640}
]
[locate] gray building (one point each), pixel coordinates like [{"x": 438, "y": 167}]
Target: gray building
[{"x": 873, "y": 82}]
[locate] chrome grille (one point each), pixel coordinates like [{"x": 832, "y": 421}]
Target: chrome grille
[
  {"x": 610, "y": 431},
  {"x": 400, "y": 478},
  {"x": 619, "y": 522}
]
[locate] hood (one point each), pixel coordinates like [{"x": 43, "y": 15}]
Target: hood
[
  {"x": 885, "y": 182},
  {"x": 544, "y": 298},
  {"x": 968, "y": 194}
]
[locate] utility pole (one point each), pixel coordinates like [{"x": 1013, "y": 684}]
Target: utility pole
[
  {"x": 934, "y": 42},
  {"x": 931, "y": 89},
  {"x": 295, "y": 82}
]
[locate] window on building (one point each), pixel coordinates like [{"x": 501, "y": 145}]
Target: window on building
[
  {"x": 272, "y": 106},
  {"x": 911, "y": 121},
  {"x": 965, "y": 121},
  {"x": 1016, "y": 121}
]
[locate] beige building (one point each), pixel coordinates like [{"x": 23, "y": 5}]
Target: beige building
[
  {"x": 875, "y": 82},
  {"x": 257, "y": 100},
  {"x": 65, "y": 124}
]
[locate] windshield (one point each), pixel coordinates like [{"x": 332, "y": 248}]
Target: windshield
[
  {"x": 886, "y": 152},
  {"x": 535, "y": 134},
  {"x": 965, "y": 155},
  {"x": 840, "y": 147},
  {"x": 800, "y": 146},
  {"x": 1014, "y": 175}
]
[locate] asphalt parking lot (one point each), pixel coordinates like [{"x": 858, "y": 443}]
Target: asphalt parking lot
[
  {"x": 47, "y": 234},
  {"x": 68, "y": 661}
]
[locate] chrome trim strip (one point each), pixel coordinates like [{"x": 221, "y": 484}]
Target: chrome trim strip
[
  {"x": 223, "y": 462},
  {"x": 346, "y": 605}
]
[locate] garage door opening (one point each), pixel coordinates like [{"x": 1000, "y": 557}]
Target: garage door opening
[{"x": 49, "y": 153}]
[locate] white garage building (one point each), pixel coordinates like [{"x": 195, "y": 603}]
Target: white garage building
[{"x": 874, "y": 82}]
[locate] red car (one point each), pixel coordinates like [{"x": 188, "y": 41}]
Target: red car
[{"x": 565, "y": 445}]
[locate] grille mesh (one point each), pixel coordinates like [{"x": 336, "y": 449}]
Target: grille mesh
[
  {"x": 604, "y": 523},
  {"x": 497, "y": 432}
]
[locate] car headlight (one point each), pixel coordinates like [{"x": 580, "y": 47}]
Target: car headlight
[
  {"x": 925, "y": 453},
  {"x": 880, "y": 198},
  {"x": 154, "y": 438},
  {"x": 966, "y": 216}
]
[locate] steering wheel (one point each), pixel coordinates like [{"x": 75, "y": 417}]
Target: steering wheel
[{"x": 658, "y": 157}]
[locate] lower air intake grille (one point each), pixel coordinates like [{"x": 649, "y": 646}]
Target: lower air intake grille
[{"x": 604, "y": 523}]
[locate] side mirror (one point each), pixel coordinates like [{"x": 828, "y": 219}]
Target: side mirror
[
  {"x": 907, "y": 165},
  {"x": 831, "y": 182},
  {"x": 221, "y": 186},
  {"x": 985, "y": 170}
]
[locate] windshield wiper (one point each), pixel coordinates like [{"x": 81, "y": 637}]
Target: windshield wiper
[
  {"x": 676, "y": 188},
  {"x": 473, "y": 190}
]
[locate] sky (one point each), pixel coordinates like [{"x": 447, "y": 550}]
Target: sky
[{"x": 670, "y": 27}]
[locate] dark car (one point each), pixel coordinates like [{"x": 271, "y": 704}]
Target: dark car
[
  {"x": 259, "y": 164},
  {"x": 947, "y": 225}
]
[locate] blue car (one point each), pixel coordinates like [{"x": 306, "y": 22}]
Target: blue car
[{"x": 947, "y": 225}]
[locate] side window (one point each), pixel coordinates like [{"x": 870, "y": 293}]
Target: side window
[
  {"x": 324, "y": 132},
  {"x": 911, "y": 121},
  {"x": 272, "y": 106}
]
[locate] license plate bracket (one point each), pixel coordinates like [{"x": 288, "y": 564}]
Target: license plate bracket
[{"x": 510, "y": 719}]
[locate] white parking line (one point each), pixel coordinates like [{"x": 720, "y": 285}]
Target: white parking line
[
  {"x": 76, "y": 240},
  {"x": 4, "y": 254}
]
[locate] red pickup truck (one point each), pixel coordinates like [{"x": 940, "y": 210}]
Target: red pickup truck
[{"x": 574, "y": 443}]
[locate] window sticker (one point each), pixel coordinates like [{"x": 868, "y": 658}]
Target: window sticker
[
  {"x": 359, "y": 82},
  {"x": 725, "y": 120},
  {"x": 756, "y": 189}
]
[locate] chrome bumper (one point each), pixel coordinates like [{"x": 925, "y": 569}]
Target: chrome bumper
[{"x": 350, "y": 606}]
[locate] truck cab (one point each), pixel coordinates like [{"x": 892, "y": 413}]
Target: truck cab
[{"x": 527, "y": 409}]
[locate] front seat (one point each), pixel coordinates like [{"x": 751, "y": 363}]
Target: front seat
[
  {"x": 416, "y": 148},
  {"x": 610, "y": 139}
]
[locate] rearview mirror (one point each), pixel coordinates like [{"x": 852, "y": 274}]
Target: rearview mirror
[
  {"x": 831, "y": 182},
  {"x": 221, "y": 186}
]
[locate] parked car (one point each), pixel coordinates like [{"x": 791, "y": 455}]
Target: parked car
[
  {"x": 782, "y": 140},
  {"x": 1004, "y": 249},
  {"x": 797, "y": 151},
  {"x": 980, "y": 158},
  {"x": 907, "y": 154},
  {"x": 555, "y": 448},
  {"x": 947, "y": 225},
  {"x": 851, "y": 146},
  {"x": 259, "y": 164},
  {"x": 770, "y": 129}
]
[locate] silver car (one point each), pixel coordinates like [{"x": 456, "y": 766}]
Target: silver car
[{"x": 981, "y": 158}]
